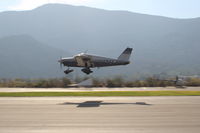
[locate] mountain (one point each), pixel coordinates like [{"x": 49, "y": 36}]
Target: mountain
[
  {"x": 22, "y": 56},
  {"x": 160, "y": 44}
]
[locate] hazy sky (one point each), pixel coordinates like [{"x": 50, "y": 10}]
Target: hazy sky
[{"x": 169, "y": 8}]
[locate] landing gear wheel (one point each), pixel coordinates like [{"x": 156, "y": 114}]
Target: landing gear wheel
[
  {"x": 86, "y": 70},
  {"x": 68, "y": 71}
]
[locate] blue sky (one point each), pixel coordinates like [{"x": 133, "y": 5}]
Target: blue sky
[{"x": 168, "y": 8}]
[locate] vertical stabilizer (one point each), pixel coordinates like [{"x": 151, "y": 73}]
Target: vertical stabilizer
[{"x": 126, "y": 54}]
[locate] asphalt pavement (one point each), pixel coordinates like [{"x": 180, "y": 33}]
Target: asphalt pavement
[
  {"x": 79, "y": 89},
  {"x": 100, "y": 114}
]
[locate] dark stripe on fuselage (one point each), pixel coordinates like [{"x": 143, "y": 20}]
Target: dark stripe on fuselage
[
  {"x": 96, "y": 63},
  {"x": 109, "y": 63}
]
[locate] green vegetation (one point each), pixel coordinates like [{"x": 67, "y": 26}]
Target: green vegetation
[
  {"x": 35, "y": 83},
  {"x": 193, "y": 82},
  {"x": 149, "y": 82},
  {"x": 111, "y": 82},
  {"x": 101, "y": 93},
  {"x": 115, "y": 82}
]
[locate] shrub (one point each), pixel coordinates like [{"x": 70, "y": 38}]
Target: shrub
[
  {"x": 193, "y": 82},
  {"x": 115, "y": 82}
]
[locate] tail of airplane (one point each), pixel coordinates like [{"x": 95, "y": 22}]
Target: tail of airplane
[{"x": 126, "y": 54}]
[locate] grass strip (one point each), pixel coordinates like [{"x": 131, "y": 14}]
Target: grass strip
[{"x": 100, "y": 93}]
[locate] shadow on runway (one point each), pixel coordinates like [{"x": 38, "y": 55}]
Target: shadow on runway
[{"x": 99, "y": 103}]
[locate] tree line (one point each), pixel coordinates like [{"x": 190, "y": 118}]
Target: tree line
[{"x": 109, "y": 82}]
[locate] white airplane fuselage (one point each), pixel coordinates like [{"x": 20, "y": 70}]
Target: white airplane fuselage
[{"x": 88, "y": 61}]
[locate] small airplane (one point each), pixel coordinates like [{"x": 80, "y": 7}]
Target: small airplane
[
  {"x": 87, "y": 61},
  {"x": 179, "y": 81}
]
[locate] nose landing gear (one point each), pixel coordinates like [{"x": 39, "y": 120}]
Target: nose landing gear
[{"x": 68, "y": 71}]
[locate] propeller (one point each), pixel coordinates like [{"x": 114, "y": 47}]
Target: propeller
[{"x": 60, "y": 62}]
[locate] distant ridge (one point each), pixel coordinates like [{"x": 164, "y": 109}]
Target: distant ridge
[
  {"x": 161, "y": 45},
  {"x": 22, "y": 56}
]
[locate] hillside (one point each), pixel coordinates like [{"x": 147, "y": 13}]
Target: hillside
[
  {"x": 24, "y": 57},
  {"x": 160, "y": 44}
]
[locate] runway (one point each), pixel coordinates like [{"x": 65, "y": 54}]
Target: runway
[
  {"x": 80, "y": 89},
  {"x": 100, "y": 114}
]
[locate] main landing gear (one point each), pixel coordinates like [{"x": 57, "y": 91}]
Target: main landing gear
[{"x": 86, "y": 70}]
